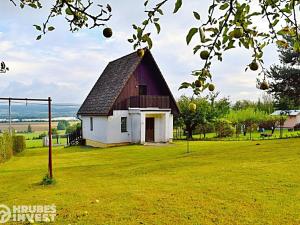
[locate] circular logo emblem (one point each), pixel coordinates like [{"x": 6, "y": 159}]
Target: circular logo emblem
[{"x": 5, "y": 214}]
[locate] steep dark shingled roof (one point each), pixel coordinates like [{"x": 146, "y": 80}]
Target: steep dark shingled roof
[{"x": 109, "y": 85}]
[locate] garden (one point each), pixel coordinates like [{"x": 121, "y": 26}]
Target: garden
[{"x": 211, "y": 118}]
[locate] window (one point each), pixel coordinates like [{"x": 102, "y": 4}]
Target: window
[
  {"x": 142, "y": 90},
  {"x": 91, "y": 124},
  {"x": 123, "y": 124}
]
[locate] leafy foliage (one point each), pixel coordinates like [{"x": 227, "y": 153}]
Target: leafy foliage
[
  {"x": 62, "y": 125},
  {"x": 72, "y": 128},
  {"x": 19, "y": 143},
  {"x": 29, "y": 129},
  {"x": 230, "y": 24},
  {"x": 224, "y": 128},
  {"x": 10, "y": 145},
  {"x": 77, "y": 13},
  {"x": 47, "y": 180},
  {"x": 285, "y": 78},
  {"x": 207, "y": 110},
  {"x": 6, "y": 147}
]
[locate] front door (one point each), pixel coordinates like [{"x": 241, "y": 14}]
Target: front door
[{"x": 149, "y": 129}]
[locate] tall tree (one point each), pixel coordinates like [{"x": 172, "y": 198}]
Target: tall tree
[{"x": 285, "y": 78}]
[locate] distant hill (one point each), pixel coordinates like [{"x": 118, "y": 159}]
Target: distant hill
[{"x": 35, "y": 111}]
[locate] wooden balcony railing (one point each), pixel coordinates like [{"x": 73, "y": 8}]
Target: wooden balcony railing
[{"x": 149, "y": 101}]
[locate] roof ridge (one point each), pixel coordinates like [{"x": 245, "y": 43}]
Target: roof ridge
[{"x": 146, "y": 49}]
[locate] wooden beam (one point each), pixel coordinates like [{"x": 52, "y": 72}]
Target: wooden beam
[
  {"x": 26, "y": 99},
  {"x": 50, "y": 139}
]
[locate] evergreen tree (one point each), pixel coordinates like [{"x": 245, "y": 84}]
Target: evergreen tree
[
  {"x": 285, "y": 78},
  {"x": 29, "y": 129}
]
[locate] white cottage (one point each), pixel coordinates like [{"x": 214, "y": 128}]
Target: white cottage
[{"x": 130, "y": 103}]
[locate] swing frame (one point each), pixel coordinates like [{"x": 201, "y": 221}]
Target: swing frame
[{"x": 49, "y": 100}]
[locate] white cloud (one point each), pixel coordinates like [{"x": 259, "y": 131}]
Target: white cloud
[{"x": 66, "y": 65}]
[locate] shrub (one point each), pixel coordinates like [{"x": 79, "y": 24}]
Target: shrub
[
  {"x": 73, "y": 128},
  {"x": 6, "y": 147},
  {"x": 19, "y": 144},
  {"x": 29, "y": 129},
  {"x": 47, "y": 180},
  {"x": 41, "y": 136},
  {"x": 62, "y": 125},
  {"x": 224, "y": 128}
]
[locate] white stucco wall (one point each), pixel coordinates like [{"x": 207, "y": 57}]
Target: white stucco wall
[
  {"x": 171, "y": 121},
  {"x": 135, "y": 123},
  {"x": 114, "y": 134},
  {"x": 99, "y": 129},
  {"x": 107, "y": 129}
]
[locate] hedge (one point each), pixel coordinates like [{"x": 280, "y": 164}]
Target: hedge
[
  {"x": 10, "y": 145},
  {"x": 19, "y": 144},
  {"x": 6, "y": 147}
]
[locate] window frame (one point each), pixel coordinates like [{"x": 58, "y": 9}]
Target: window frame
[
  {"x": 143, "y": 88},
  {"x": 91, "y": 124},
  {"x": 124, "y": 126}
]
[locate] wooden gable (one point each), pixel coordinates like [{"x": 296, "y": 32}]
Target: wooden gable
[{"x": 146, "y": 76}]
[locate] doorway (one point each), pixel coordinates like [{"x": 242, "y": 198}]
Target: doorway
[{"x": 150, "y": 129}]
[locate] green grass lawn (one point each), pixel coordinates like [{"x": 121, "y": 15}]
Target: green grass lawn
[
  {"x": 32, "y": 142},
  {"x": 253, "y": 136},
  {"x": 217, "y": 183}
]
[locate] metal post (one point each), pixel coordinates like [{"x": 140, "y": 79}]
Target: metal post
[
  {"x": 50, "y": 139},
  {"x": 9, "y": 115}
]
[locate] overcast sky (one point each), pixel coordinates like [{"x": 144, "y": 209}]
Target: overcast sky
[{"x": 66, "y": 65}]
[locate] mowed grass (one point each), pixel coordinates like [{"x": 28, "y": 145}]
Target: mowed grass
[
  {"x": 216, "y": 183},
  {"x": 253, "y": 136}
]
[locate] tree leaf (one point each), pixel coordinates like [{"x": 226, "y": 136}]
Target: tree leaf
[
  {"x": 32, "y": 5},
  {"x": 145, "y": 23},
  {"x": 197, "y": 16},
  {"x": 38, "y": 37},
  {"x": 184, "y": 85},
  {"x": 37, "y": 27},
  {"x": 51, "y": 28},
  {"x": 108, "y": 8},
  {"x": 202, "y": 35},
  {"x": 190, "y": 35},
  {"x": 157, "y": 27},
  {"x": 224, "y": 6},
  {"x": 160, "y": 11},
  {"x": 69, "y": 11},
  {"x": 148, "y": 40},
  {"x": 139, "y": 33},
  {"x": 178, "y": 5}
]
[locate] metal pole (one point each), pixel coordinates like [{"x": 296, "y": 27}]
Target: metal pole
[
  {"x": 50, "y": 139},
  {"x": 9, "y": 115}
]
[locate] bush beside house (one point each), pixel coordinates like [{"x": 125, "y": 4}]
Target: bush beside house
[
  {"x": 6, "y": 147},
  {"x": 19, "y": 144},
  {"x": 10, "y": 145}
]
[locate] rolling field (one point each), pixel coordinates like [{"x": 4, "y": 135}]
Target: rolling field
[
  {"x": 216, "y": 183},
  {"x": 23, "y": 126}
]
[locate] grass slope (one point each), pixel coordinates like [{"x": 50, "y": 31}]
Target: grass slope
[{"x": 217, "y": 183}]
